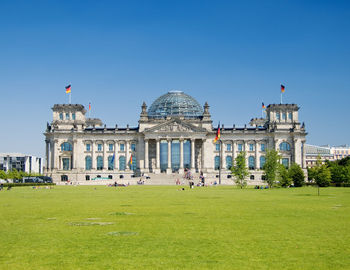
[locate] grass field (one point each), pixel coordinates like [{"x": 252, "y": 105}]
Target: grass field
[{"x": 146, "y": 227}]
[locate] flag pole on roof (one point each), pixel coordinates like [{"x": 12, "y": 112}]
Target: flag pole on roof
[
  {"x": 282, "y": 91},
  {"x": 69, "y": 92},
  {"x": 263, "y": 108}
]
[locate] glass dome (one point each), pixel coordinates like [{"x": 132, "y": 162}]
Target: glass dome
[{"x": 175, "y": 103}]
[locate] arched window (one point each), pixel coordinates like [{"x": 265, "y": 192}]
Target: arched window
[
  {"x": 284, "y": 146},
  {"x": 64, "y": 178},
  {"x": 262, "y": 162},
  {"x": 217, "y": 163},
  {"x": 66, "y": 146},
  {"x": 88, "y": 163},
  {"x": 122, "y": 163},
  {"x": 251, "y": 162},
  {"x": 99, "y": 163},
  {"x": 228, "y": 162},
  {"x": 110, "y": 163}
]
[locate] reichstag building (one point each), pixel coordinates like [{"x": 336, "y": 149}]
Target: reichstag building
[{"x": 174, "y": 134}]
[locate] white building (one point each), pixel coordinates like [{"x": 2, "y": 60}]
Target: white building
[
  {"x": 21, "y": 162},
  {"x": 173, "y": 134},
  {"x": 313, "y": 152}
]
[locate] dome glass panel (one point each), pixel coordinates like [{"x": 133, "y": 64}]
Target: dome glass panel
[{"x": 175, "y": 103}]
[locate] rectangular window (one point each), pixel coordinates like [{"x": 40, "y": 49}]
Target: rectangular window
[
  {"x": 61, "y": 116},
  {"x": 251, "y": 147},
  {"x": 67, "y": 116},
  {"x": 278, "y": 116},
  {"x": 121, "y": 147},
  {"x": 217, "y": 147},
  {"x": 110, "y": 147},
  {"x": 228, "y": 147},
  {"x": 73, "y": 116},
  {"x": 133, "y": 147},
  {"x": 65, "y": 164},
  {"x": 240, "y": 147},
  {"x": 262, "y": 147},
  {"x": 285, "y": 162},
  {"x": 88, "y": 147},
  {"x": 284, "y": 116},
  {"x": 99, "y": 147},
  {"x": 290, "y": 116}
]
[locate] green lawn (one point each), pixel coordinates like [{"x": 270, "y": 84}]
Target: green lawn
[{"x": 146, "y": 227}]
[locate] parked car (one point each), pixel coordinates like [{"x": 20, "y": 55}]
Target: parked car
[{"x": 3, "y": 181}]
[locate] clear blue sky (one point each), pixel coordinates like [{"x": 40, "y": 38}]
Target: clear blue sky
[{"x": 117, "y": 54}]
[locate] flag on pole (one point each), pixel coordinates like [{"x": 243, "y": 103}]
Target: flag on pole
[
  {"x": 89, "y": 106},
  {"x": 282, "y": 88},
  {"x": 131, "y": 160},
  {"x": 217, "y": 137},
  {"x": 112, "y": 160},
  {"x": 68, "y": 89},
  {"x": 263, "y": 106}
]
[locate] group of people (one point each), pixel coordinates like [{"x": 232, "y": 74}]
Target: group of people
[
  {"x": 2, "y": 187},
  {"x": 261, "y": 187},
  {"x": 45, "y": 187}
]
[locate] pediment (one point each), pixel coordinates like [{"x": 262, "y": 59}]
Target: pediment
[{"x": 175, "y": 125}]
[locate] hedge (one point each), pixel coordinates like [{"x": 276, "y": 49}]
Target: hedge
[{"x": 27, "y": 184}]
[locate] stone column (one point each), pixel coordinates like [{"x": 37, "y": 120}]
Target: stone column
[
  {"x": 158, "y": 155},
  {"x": 105, "y": 159},
  {"x": 52, "y": 152},
  {"x": 181, "y": 153},
  {"x": 234, "y": 149},
  {"x": 222, "y": 165},
  {"x": 257, "y": 156},
  {"x": 93, "y": 156},
  {"x": 75, "y": 155},
  {"x": 276, "y": 144},
  {"x": 56, "y": 157},
  {"x": 303, "y": 155},
  {"x": 115, "y": 162},
  {"x": 192, "y": 153},
  {"x": 47, "y": 154},
  {"x": 293, "y": 159},
  {"x": 127, "y": 157},
  {"x": 246, "y": 153},
  {"x": 168, "y": 171},
  {"x": 203, "y": 155},
  {"x": 146, "y": 154}
]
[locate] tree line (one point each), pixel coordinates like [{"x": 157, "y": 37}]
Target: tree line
[
  {"x": 275, "y": 173},
  {"x": 15, "y": 174},
  {"x": 336, "y": 172}
]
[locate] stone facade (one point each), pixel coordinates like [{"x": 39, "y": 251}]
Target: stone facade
[{"x": 81, "y": 149}]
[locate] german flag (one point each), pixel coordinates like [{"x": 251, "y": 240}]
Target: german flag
[
  {"x": 282, "y": 88},
  {"x": 68, "y": 89},
  {"x": 131, "y": 160},
  {"x": 217, "y": 137},
  {"x": 89, "y": 106},
  {"x": 263, "y": 106}
]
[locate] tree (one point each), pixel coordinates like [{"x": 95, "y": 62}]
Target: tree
[
  {"x": 297, "y": 175},
  {"x": 284, "y": 176},
  {"x": 323, "y": 176},
  {"x": 15, "y": 174},
  {"x": 271, "y": 166},
  {"x": 3, "y": 174},
  {"x": 240, "y": 170}
]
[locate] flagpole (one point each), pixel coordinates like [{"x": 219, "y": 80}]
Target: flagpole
[
  {"x": 70, "y": 98},
  {"x": 220, "y": 162},
  {"x": 281, "y": 97}
]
